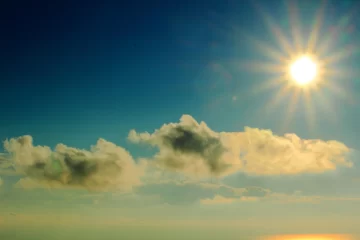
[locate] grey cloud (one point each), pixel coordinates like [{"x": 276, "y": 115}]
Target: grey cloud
[
  {"x": 256, "y": 192},
  {"x": 105, "y": 166},
  {"x": 190, "y": 147},
  {"x": 185, "y": 141}
]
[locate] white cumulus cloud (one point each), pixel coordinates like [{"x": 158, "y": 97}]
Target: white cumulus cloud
[{"x": 193, "y": 148}]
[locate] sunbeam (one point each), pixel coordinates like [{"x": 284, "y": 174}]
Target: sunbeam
[{"x": 303, "y": 65}]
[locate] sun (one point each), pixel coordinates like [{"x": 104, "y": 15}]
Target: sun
[
  {"x": 309, "y": 62},
  {"x": 303, "y": 70}
]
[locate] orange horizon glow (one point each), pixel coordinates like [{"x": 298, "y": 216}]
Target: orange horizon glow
[{"x": 310, "y": 237}]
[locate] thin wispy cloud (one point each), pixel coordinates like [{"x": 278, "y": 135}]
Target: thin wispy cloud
[{"x": 275, "y": 197}]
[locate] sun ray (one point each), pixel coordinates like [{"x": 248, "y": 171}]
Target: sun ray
[
  {"x": 293, "y": 14},
  {"x": 310, "y": 113},
  {"x": 276, "y": 31},
  {"x": 291, "y": 109},
  {"x": 340, "y": 92},
  {"x": 346, "y": 52},
  {"x": 322, "y": 70},
  {"x": 312, "y": 41},
  {"x": 265, "y": 67},
  {"x": 341, "y": 72},
  {"x": 341, "y": 24},
  {"x": 269, "y": 84},
  {"x": 267, "y": 50},
  {"x": 269, "y": 107},
  {"x": 327, "y": 107}
]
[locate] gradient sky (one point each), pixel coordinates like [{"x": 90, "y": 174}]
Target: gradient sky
[{"x": 196, "y": 139}]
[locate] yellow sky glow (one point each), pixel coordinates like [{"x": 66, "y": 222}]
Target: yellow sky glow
[{"x": 310, "y": 237}]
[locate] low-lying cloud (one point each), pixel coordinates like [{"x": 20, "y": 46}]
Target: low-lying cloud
[
  {"x": 275, "y": 197},
  {"x": 191, "y": 192},
  {"x": 193, "y": 148},
  {"x": 218, "y": 199},
  {"x": 187, "y": 148},
  {"x": 105, "y": 166}
]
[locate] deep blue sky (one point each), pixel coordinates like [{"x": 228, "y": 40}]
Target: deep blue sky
[{"x": 73, "y": 71}]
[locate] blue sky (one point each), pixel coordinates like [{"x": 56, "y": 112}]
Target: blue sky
[{"x": 165, "y": 114}]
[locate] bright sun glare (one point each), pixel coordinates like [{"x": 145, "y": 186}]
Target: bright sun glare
[
  {"x": 303, "y": 70},
  {"x": 304, "y": 66}
]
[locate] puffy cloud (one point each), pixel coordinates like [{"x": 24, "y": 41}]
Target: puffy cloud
[
  {"x": 105, "y": 166},
  {"x": 4, "y": 162},
  {"x": 193, "y": 148},
  {"x": 190, "y": 147},
  {"x": 264, "y": 153},
  {"x": 186, "y": 147}
]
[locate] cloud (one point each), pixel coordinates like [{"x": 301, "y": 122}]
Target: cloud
[
  {"x": 5, "y": 164},
  {"x": 190, "y": 147},
  {"x": 265, "y": 153},
  {"x": 191, "y": 192},
  {"x": 193, "y": 148},
  {"x": 218, "y": 199},
  {"x": 62, "y": 220},
  {"x": 275, "y": 197},
  {"x": 105, "y": 166},
  {"x": 296, "y": 197}
]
